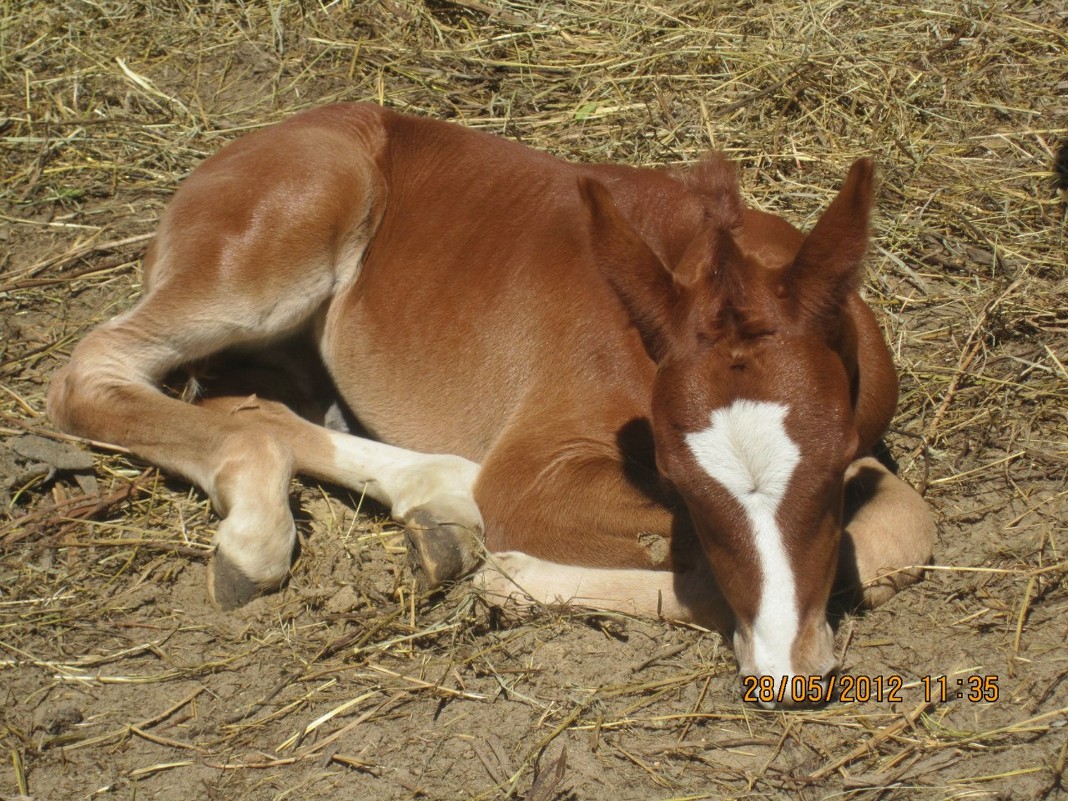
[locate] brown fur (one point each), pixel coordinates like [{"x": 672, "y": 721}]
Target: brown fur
[{"x": 558, "y": 324}]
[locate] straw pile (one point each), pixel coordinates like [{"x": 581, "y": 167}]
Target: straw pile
[{"x": 119, "y": 679}]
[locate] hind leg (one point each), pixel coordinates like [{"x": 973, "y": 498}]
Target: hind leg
[
  {"x": 889, "y": 535},
  {"x": 243, "y": 451},
  {"x": 431, "y": 495},
  {"x": 108, "y": 392},
  {"x": 244, "y": 257}
]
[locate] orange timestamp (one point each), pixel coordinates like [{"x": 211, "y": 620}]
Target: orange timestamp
[
  {"x": 849, "y": 688},
  {"x": 976, "y": 689}
]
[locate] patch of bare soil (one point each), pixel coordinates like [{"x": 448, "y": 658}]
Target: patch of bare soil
[{"x": 120, "y": 680}]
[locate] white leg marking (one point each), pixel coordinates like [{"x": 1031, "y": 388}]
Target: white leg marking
[
  {"x": 515, "y": 575},
  {"x": 406, "y": 480},
  {"x": 747, "y": 450}
]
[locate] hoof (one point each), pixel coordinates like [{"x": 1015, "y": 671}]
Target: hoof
[
  {"x": 439, "y": 552},
  {"x": 228, "y": 587}
]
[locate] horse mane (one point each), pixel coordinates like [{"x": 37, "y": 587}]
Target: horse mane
[{"x": 714, "y": 180}]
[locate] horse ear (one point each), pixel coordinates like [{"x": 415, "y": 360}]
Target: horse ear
[
  {"x": 645, "y": 286},
  {"x": 827, "y": 266}
]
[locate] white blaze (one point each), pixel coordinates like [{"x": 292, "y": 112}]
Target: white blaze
[{"x": 747, "y": 450}]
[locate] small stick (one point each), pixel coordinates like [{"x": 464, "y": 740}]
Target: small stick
[
  {"x": 166, "y": 713},
  {"x": 165, "y": 741},
  {"x": 80, "y": 507},
  {"x": 78, "y": 252},
  {"x": 28, "y": 283},
  {"x": 972, "y": 345},
  {"x": 869, "y": 745},
  {"x": 693, "y": 712},
  {"x": 1024, "y": 606}
]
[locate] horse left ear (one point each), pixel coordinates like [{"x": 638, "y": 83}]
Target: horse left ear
[
  {"x": 827, "y": 266},
  {"x": 646, "y": 287}
]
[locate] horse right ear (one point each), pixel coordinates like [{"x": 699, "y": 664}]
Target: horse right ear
[
  {"x": 646, "y": 287},
  {"x": 828, "y": 265}
]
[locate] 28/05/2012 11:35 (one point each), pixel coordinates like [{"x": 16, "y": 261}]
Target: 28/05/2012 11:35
[{"x": 862, "y": 689}]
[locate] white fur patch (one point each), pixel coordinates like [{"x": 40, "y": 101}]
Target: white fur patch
[
  {"x": 512, "y": 575},
  {"x": 746, "y": 449},
  {"x": 404, "y": 480}
]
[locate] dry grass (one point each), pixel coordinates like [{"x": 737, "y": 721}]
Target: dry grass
[{"x": 121, "y": 682}]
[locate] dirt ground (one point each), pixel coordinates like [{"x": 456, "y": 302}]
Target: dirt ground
[{"x": 118, "y": 679}]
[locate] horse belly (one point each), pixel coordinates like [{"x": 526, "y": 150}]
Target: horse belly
[{"x": 421, "y": 363}]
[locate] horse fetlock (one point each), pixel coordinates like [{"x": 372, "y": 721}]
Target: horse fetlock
[
  {"x": 434, "y": 481},
  {"x": 441, "y": 548},
  {"x": 254, "y": 549}
]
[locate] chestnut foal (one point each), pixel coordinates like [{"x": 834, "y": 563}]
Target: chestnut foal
[{"x": 640, "y": 393}]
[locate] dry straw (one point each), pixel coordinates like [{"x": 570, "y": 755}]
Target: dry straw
[{"x": 119, "y": 679}]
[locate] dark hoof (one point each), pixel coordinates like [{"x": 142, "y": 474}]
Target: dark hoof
[
  {"x": 439, "y": 552},
  {"x": 228, "y": 587}
]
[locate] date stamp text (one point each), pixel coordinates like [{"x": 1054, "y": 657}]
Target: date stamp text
[{"x": 849, "y": 688}]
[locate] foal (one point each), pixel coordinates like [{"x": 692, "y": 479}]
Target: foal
[{"x": 639, "y": 393}]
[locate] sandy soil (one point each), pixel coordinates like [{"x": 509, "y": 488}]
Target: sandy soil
[{"x": 120, "y": 680}]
